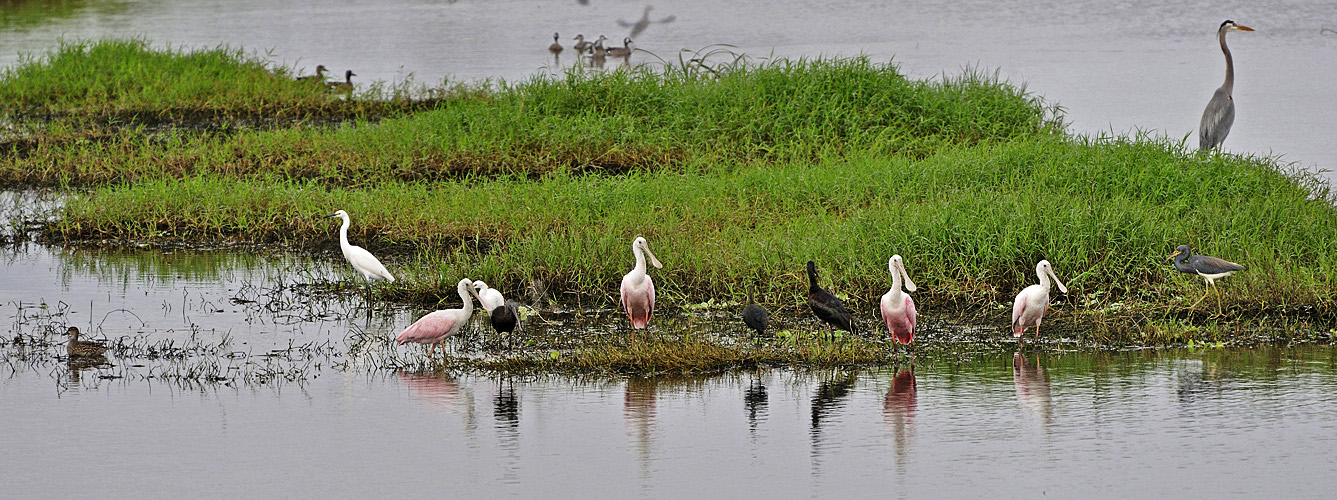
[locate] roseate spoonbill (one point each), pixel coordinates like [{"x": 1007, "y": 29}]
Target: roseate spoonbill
[
  {"x": 489, "y": 298},
  {"x": 1210, "y": 268},
  {"x": 361, "y": 260},
  {"x": 81, "y": 348},
  {"x": 434, "y": 327},
  {"x": 825, "y": 306},
  {"x": 318, "y": 77},
  {"x": 556, "y": 47},
  {"x": 898, "y": 309},
  {"x": 1031, "y": 304},
  {"x": 638, "y": 290},
  {"x": 1220, "y": 112},
  {"x": 346, "y": 85},
  {"x": 756, "y": 318}
]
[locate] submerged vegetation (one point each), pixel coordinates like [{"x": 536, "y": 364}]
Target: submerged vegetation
[{"x": 736, "y": 176}]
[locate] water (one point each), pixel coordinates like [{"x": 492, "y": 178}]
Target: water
[
  {"x": 1219, "y": 422},
  {"x": 1115, "y": 66}
]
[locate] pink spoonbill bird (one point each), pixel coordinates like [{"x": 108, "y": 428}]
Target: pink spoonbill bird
[
  {"x": 638, "y": 290},
  {"x": 1031, "y": 304},
  {"x": 434, "y": 327},
  {"x": 898, "y": 309}
]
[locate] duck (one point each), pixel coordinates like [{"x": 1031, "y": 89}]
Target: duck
[
  {"x": 556, "y": 47},
  {"x": 346, "y": 85},
  {"x": 624, "y": 51},
  {"x": 81, "y": 348},
  {"x": 318, "y": 77}
]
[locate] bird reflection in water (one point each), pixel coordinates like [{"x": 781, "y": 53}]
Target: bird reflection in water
[
  {"x": 1032, "y": 384},
  {"x": 898, "y": 412},
  {"x": 754, "y": 399},
  {"x": 506, "y": 411},
  {"x": 831, "y": 396},
  {"x": 638, "y": 410}
]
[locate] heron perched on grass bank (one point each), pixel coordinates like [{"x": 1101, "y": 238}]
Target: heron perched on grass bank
[
  {"x": 898, "y": 309},
  {"x": 81, "y": 348},
  {"x": 825, "y": 305},
  {"x": 363, "y": 261},
  {"x": 434, "y": 327},
  {"x": 638, "y": 290},
  {"x": 1210, "y": 268},
  {"x": 1031, "y": 304},
  {"x": 1220, "y": 112}
]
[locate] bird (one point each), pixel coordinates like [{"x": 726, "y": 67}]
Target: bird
[
  {"x": 598, "y": 52},
  {"x": 1031, "y": 304},
  {"x": 638, "y": 290},
  {"x": 624, "y": 51},
  {"x": 346, "y": 85},
  {"x": 81, "y": 348},
  {"x": 505, "y": 317},
  {"x": 898, "y": 309},
  {"x": 489, "y": 298},
  {"x": 318, "y": 77},
  {"x": 434, "y": 327},
  {"x": 556, "y": 47},
  {"x": 361, "y": 260},
  {"x": 825, "y": 306},
  {"x": 581, "y": 45},
  {"x": 756, "y": 318},
  {"x": 1210, "y": 268},
  {"x": 1220, "y": 112},
  {"x": 644, "y": 22}
]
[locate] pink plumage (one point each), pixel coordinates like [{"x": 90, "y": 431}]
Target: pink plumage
[
  {"x": 901, "y": 323},
  {"x": 639, "y": 302},
  {"x": 432, "y": 328}
]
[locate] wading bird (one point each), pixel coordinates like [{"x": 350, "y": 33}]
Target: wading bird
[
  {"x": 318, "y": 77},
  {"x": 361, "y": 260},
  {"x": 556, "y": 47},
  {"x": 826, "y": 306},
  {"x": 434, "y": 327},
  {"x": 638, "y": 290},
  {"x": 639, "y": 26},
  {"x": 1210, "y": 268},
  {"x": 756, "y": 318},
  {"x": 1220, "y": 112},
  {"x": 1031, "y": 304},
  {"x": 898, "y": 309},
  {"x": 81, "y": 348},
  {"x": 505, "y": 317},
  {"x": 489, "y": 298},
  {"x": 346, "y": 85}
]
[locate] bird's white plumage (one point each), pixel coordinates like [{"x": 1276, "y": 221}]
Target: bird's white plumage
[
  {"x": 363, "y": 261},
  {"x": 490, "y": 298}
]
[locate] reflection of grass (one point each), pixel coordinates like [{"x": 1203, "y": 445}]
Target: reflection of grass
[{"x": 28, "y": 13}]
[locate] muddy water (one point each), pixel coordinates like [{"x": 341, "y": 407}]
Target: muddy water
[
  {"x": 320, "y": 422},
  {"x": 1115, "y": 66}
]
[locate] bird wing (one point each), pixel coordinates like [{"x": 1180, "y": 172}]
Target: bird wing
[
  {"x": 1216, "y": 120},
  {"x": 910, "y": 311},
  {"x": 434, "y": 325},
  {"x": 650, "y": 283},
  {"x": 624, "y": 24},
  {"x": 367, "y": 263},
  {"x": 1212, "y": 265},
  {"x": 1018, "y": 308},
  {"x": 668, "y": 19}
]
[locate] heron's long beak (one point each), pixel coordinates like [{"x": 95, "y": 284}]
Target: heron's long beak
[
  {"x": 331, "y": 216},
  {"x": 1173, "y": 255},
  {"x": 1243, "y": 28},
  {"x": 909, "y": 285},
  {"x": 653, "y": 260},
  {"x": 1061, "y": 288}
]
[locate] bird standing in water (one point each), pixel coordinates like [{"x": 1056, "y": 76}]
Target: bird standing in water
[
  {"x": 556, "y": 47},
  {"x": 756, "y": 318},
  {"x": 1031, "y": 304},
  {"x": 1210, "y": 268},
  {"x": 363, "y": 261},
  {"x": 638, "y": 290},
  {"x": 825, "y": 305},
  {"x": 898, "y": 309},
  {"x": 434, "y": 327},
  {"x": 1220, "y": 112},
  {"x": 345, "y": 86}
]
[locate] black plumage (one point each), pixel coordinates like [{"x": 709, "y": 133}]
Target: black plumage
[
  {"x": 504, "y": 317},
  {"x": 756, "y": 318},
  {"x": 826, "y": 306}
]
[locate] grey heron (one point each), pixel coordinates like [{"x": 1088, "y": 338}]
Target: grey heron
[{"x": 1220, "y": 112}]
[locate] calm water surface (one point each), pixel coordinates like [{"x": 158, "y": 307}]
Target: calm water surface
[
  {"x": 1210, "y": 423},
  {"x": 1116, "y": 66}
]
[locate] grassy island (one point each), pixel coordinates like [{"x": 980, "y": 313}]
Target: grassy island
[{"x": 736, "y": 175}]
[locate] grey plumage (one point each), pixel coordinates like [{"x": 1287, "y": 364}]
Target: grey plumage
[{"x": 1220, "y": 113}]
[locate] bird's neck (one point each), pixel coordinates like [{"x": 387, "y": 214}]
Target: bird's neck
[
  {"x": 1044, "y": 279},
  {"x": 343, "y": 234},
  {"x": 639, "y": 270},
  {"x": 1229, "y": 85},
  {"x": 896, "y": 283},
  {"x": 464, "y": 297}
]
